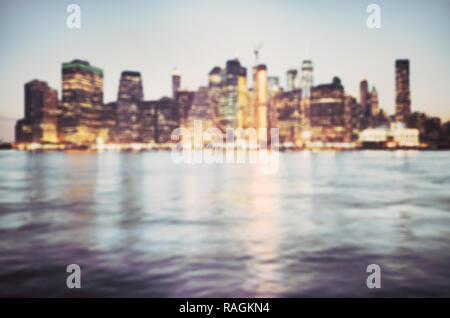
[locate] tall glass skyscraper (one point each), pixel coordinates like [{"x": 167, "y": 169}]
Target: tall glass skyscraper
[
  {"x": 82, "y": 102},
  {"x": 291, "y": 78},
  {"x": 260, "y": 95},
  {"x": 41, "y": 110},
  {"x": 402, "y": 92},
  {"x": 129, "y": 101},
  {"x": 228, "y": 107},
  {"x": 364, "y": 96},
  {"x": 306, "y": 81},
  {"x": 176, "y": 82},
  {"x": 214, "y": 92}
]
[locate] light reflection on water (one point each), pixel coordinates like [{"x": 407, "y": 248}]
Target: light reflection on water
[{"x": 140, "y": 225}]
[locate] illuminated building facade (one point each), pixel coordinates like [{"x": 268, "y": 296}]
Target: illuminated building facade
[
  {"x": 364, "y": 96},
  {"x": 23, "y": 131},
  {"x": 40, "y": 123},
  {"x": 243, "y": 99},
  {"x": 372, "y": 115},
  {"x": 291, "y": 79},
  {"x": 273, "y": 82},
  {"x": 358, "y": 119},
  {"x": 377, "y": 115},
  {"x": 167, "y": 119},
  {"x": 201, "y": 110},
  {"x": 176, "y": 82},
  {"x": 228, "y": 96},
  {"x": 402, "y": 91},
  {"x": 128, "y": 107},
  {"x": 373, "y": 102},
  {"x": 158, "y": 119},
  {"x": 404, "y": 137},
  {"x": 214, "y": 92},
  {"x": 287, "y": 108},
  {"x": 260, "y": 96},
  {"x": 329, "y": 114},
  {"x": 397, "y": 136},
  {"x": 357, "y": 116},
  {"x": 82, "y": 103},
  {"x": 429, "y": 127},
  {"x": 273, "y": 88},
  {"x": 306, "y": 82},
  {"x": 148, "y": 121},
  {"x": 184, "y": 99},
  {"x": 228, "y": 102},
  {"x": 374, "y": 137},
  {"x": 108, "y": 119}
]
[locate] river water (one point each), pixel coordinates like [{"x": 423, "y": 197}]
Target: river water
[{"x": 139, "y": 224}]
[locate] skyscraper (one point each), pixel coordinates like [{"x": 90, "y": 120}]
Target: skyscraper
[
  {"x": 307, "y": 82},
  {"x": 243, "y": 98},
  {"x": 364, "y": 96},
  {"x": 373, "y": 102},
  {"x": 41, "y": 110},
  {"x": 167, "y": 119},
  {"x": 176, "y": 82},
  {"x": 291, "y": 78},
  {"x": 330, "y": 116},
  {"x": 148, "y": 121},
  {"x": 286, "y": 107},
  {"x": 356, "y": 116},
  {"x": 82, "y": 101},
  {"x": 273, "y": 88},
  {"x": 260, "y": 95},
  {"x": 214, "y": 92},
  {"x": 201, "y": 110},
  {"x": 159, "y": 118},
  {"x": 402, "y": 91},
  {"x": 128, "y": 107},
  {"x": 228, "y": 104},
  {"x": 184, "y": 99},
  {"x": 273, "y": 82},
  {"x": 109, "y": 119}
]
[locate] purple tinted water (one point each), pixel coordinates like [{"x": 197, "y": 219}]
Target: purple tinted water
[{"x": 140, "y": 225}]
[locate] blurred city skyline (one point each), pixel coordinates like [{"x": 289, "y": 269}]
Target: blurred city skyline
[{"x": 154, "y": 37}]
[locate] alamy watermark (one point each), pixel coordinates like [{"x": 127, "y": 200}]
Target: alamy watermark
[
  {"x": 374, "y": 279},
  {"x": 237, "y": 146},
  {"x": 374, "y": 19},
  {"x": 74, "y": 18},
  {"x": 74, "y": 279}
]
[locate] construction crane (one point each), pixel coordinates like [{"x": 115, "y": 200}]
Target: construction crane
[{"x": 256, "y": 49}]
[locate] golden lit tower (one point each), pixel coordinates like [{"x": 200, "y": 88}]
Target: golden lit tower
[
  {"x": 260, "y": 93},
  {"x": 374, "y": 102},
  {"x": 242, "y": 97},
  {"x": 82, "y": 102}
]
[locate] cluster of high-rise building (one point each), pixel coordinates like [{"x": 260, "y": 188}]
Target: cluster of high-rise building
[{"x": 303, "y": 112}]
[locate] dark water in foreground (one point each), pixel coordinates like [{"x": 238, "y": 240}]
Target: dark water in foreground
[{"x": 140, "y": 225}]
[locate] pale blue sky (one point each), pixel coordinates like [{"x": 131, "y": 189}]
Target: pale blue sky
[{"x": 155, "y": 36}]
